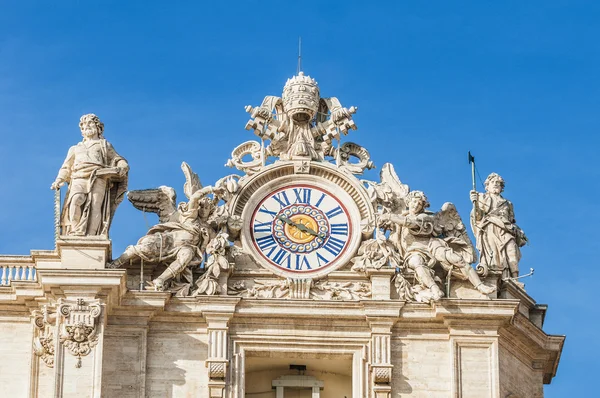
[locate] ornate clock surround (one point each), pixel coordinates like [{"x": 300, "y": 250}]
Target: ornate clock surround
[{"x": 326, "y": 177}]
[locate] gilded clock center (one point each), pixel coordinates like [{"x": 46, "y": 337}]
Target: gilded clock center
[{"x": 302, "y": 235}]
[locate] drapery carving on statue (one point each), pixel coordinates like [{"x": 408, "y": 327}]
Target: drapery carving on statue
[
  {"x": 497, "y": 234},
  {"x": 298, "y": 125},
  {"x": 425, "y": 240},
  {"x": 97, "y": 181},
  {"x": 183, "y": 234},
  {"x": 43, "y": 339},
  {"x": 78, "y": 331},
  {"x": 416, "y": 240}
]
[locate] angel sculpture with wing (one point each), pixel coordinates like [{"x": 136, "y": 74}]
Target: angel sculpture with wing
[
  {"x": 425, "y": 239},
  {"x": 183, "y": 233}
]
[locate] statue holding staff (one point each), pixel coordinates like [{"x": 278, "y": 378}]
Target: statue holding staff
[
  {"x": 497, "y": 235},
  {"x": 97, "y": 179}
]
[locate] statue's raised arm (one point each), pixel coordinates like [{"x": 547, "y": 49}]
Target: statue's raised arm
[{"x": 184, "y": 232}]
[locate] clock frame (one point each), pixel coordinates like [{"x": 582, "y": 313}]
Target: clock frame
[{"x": 300, "y": 228}]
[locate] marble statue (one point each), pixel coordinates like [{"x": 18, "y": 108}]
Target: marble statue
[
  {"x": 425, "y": 239},
  {"x": 97, "y": 181},
  {"x": 497, "y": 235},
  {"x": 184, "y": 232}
]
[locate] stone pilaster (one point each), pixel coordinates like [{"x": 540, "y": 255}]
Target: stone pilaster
[
  {"x": 381, "y": 366},
  {"x": 217, "y": 362},
  {"x": 381, "y": 319},
  {"x": 84, "y": 298},
  {"x": 79, "y": 347}
]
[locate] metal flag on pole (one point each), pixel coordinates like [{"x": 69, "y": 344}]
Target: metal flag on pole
[{"x": 472, "y": 163}]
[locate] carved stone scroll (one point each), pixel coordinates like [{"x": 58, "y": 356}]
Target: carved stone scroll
[
  {"x": 43, "y": 340},
  {"x": 248, "y": 148},
  {"x": 349, "y": 151}
]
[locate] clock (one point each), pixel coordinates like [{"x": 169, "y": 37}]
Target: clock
[{"x": 302, "y": 229}]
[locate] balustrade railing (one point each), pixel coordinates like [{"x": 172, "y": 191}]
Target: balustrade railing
[{"x": 20, "y": 272}]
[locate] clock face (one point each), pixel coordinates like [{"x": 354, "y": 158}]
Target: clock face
[{"x": 300, "y": 228}]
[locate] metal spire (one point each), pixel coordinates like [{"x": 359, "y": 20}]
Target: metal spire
[{"x": 299, "y": 55}]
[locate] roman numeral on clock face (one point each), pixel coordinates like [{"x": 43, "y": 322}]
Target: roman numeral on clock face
[
  {"x": 302, "y": 195},
  {"x": 282, "y": 199},
  {"x": 263, "y": 209},
  {"x": 334, "y": 245},
  {"x": 339, "y": 229},
  {"x": 334, "y": 212},
  {"x": 262, "y": 226},
  {"x": 265, "y": 242}
]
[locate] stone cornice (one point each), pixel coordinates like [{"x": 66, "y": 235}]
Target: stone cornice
[{"x": 107, "y": 284}]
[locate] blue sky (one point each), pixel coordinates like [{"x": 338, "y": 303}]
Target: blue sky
[{"x": 514, "y": 82}]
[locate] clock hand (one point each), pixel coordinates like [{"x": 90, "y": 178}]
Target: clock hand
[
  {"x": 304, "y": 228},
  {"x": 286, "y": 220},
  {"x": 300, "y": 227}
]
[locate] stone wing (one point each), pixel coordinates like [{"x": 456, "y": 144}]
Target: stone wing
[
  {"x": 192, "y": 181},
  {"x": 450, "y": 226},
  {"x": 392, "y": 190},
  {"x": 159, "y": 200}
]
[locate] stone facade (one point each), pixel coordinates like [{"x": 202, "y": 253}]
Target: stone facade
[{"x": 293, "y": 279}]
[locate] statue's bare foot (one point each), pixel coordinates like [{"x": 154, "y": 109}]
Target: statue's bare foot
[
  {"x": 436, "y": 293},
  {"x": 485, "y": 289},
  {"x": 156, "y": 285}
]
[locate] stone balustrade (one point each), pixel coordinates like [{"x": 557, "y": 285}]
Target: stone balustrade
[{"x": 17, "y": 270}]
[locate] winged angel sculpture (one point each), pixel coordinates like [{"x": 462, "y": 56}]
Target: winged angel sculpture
[
  {"x": 187, "y": 234},
  {"x": 415, "y": 240}
]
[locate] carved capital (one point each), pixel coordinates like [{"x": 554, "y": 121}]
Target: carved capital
[{"x": 79, "y": 332}]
